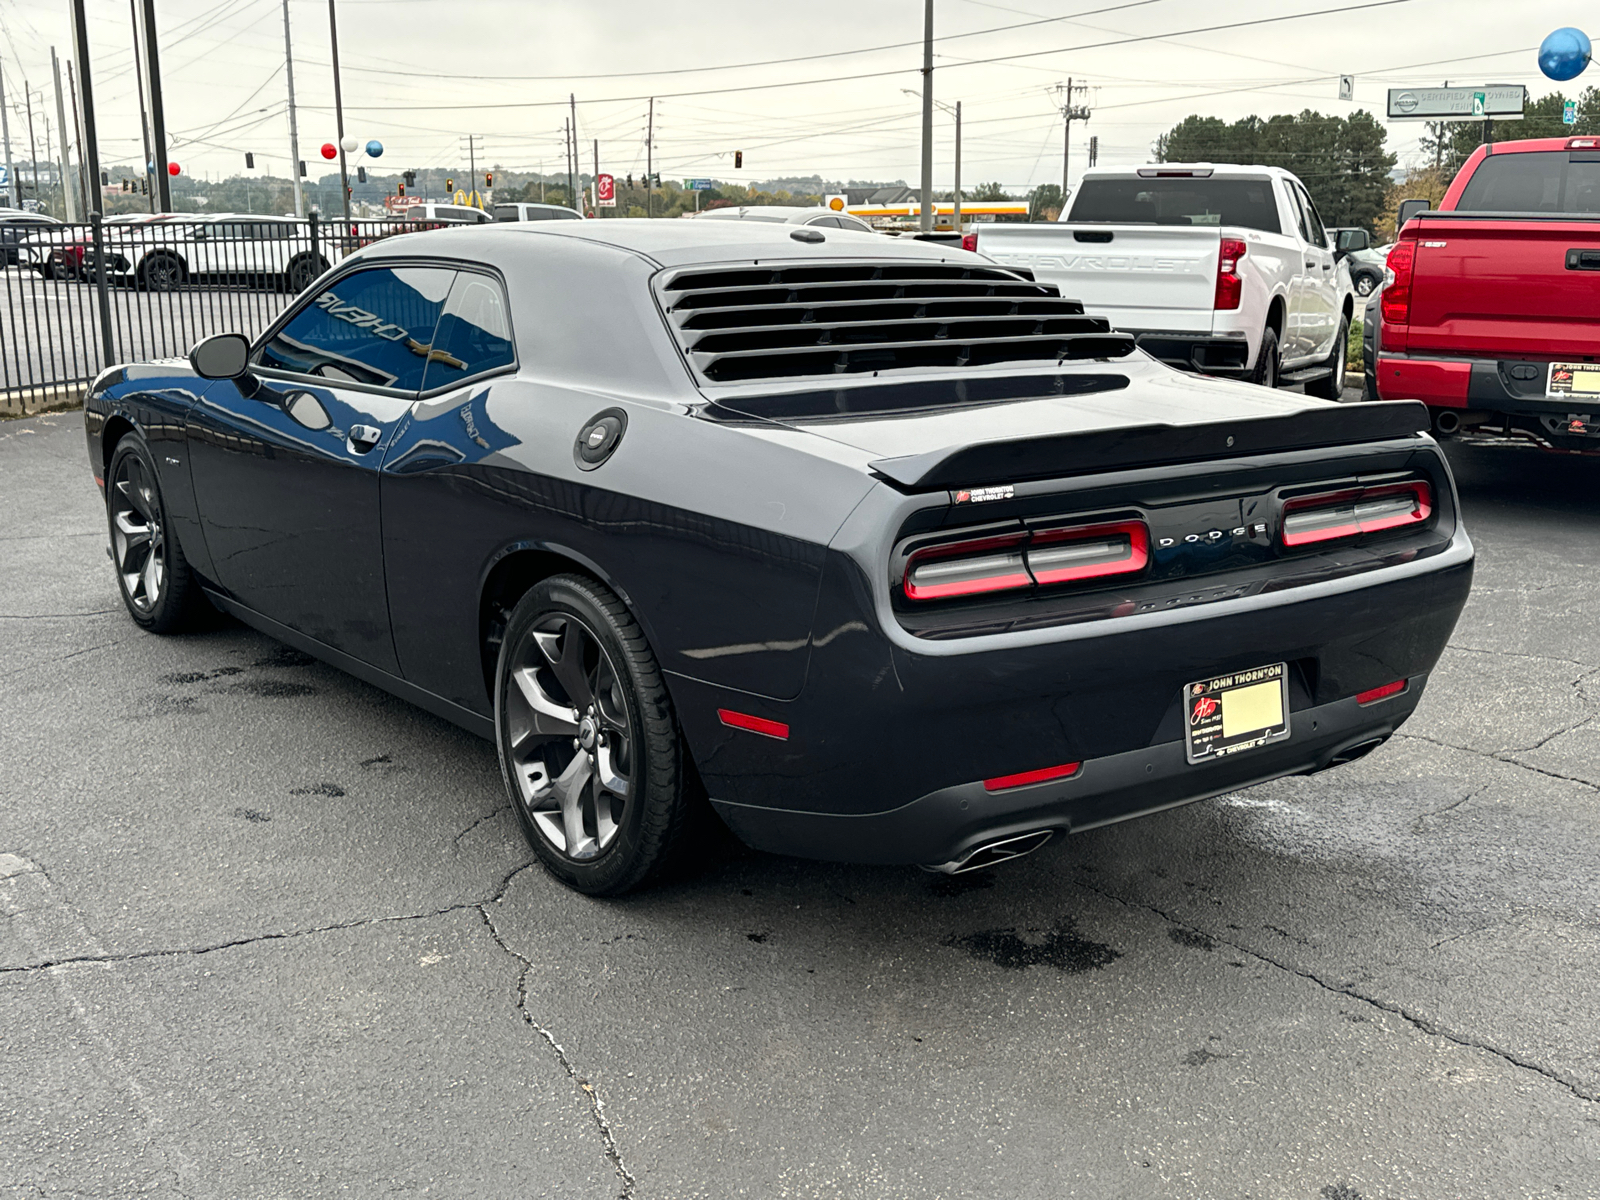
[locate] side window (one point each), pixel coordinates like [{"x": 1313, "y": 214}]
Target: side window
[
  {"x": 1319, "y": 234},
  {"x": 1298, "y": 210},
  {"x": 474, "y": 334},
  {"x": 507, "y": 212},
  {"x": 373, "y": 327}
]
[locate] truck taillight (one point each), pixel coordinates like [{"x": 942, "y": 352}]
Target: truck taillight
[
  {"x": 1048, "y": 556},
  {"x": 1343, "y": 514},
  {"x": 969, "y": 241},
  {"x": 1395, "y": 301},
  {"x": 1230, "y": 287}
]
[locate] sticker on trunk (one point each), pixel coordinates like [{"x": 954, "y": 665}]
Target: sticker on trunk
[
  {"x": 1230, "y": 714},
  {"x": 1573, "y": 379}
]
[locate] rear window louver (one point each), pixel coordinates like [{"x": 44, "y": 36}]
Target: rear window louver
[{"x": 750, "y": 323}]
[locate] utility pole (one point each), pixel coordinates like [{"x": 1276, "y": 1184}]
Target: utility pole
[
  {"x": 160, "y": 186},
  {"x": 69, "y": 197},
  {"x": 574, "y": 171},
  {"x": 1094, "y": 149},
  {"x": 596, "y": 184},
  {"x": 1069, "y": 114},
  {"x": 49, "y": 149},
  {"x": 12, "y": 181},
  {"x": 926, "y": 197},
  {"x": 84, "y": 207},
  {"x": 338, "y": 114},
  {"x": 144, "y": 113},
  {"x": 33, "y": 146},
  {"x": 649, "y": 145},
  {"x": 294, "y": 125},
  {"x": 957, "y": 220}
]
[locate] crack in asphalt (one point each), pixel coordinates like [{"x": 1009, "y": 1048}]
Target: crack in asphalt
[
  {"x": 1497, "y": 756},
  {"x": 1423, "y": 1024},
  {"x": 489, "y": 816},
  {"x": 597, "y": 1106},
  {"x": 1577, "y": 662}
]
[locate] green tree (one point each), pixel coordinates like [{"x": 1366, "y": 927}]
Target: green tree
[
  {"x": 1341, "y": 160},
  {"x": 991, "y": 191},
  {"x": 1042, "y": 200}
]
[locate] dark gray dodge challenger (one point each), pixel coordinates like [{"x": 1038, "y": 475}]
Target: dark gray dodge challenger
[{"x": 887, "y": 552}]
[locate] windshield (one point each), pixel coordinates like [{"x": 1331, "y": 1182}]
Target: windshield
[
  {"x": 1541, "y": 181},
  {"x": 1246, "y": 203}
]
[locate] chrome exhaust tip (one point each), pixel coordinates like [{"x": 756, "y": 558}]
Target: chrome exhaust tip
[
  {"x": 993, "y": 853},
  {"x": 1446, "y": 422}
]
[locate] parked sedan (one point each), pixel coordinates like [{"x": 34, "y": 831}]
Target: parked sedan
[
  {"x": 888, "y": 553},
  {"x": 16, "y": 225},
  {"x": 784, "y": 214}
]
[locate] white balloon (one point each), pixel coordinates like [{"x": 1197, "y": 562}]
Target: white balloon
[{"x": 350, "y": 144}]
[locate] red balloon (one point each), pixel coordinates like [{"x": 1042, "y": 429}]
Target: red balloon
[
  {"x": 329, "y": 150},
  {"x": 173, "y": 168}
]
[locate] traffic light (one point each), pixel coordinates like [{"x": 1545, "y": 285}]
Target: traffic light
[
  {"x": 361, "y": 174},
  {"x": 411, "y": 178},
  {"x": 738, "y": 159},
  {"x": 630, "y": 181},
  {"x": 402, "y": 190},
  {"x": 302, "y": 168},
  {"x": 124, "y": 183},
  {"x": 449, "y": 185},
  {"x": 488, "y": 179},
  {"x": 249, "y": 161},
  {"x": 105, "y": 178}
]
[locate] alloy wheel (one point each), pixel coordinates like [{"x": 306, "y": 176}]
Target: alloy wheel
[
  {"x": 139, "y": 544},
  {"x": 161, "y": 273},
  {"x": 573, "y": 747}
]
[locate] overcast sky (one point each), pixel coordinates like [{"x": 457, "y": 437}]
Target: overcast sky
[{"x": 420, "y": 75}]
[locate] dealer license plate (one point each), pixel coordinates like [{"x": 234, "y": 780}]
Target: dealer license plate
[
  {"x": 1230, "y": 714},
  {"x": 1573, "y": 379}
]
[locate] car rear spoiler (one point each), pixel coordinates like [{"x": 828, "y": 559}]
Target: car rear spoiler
[{"x": 1024, "y": 459}]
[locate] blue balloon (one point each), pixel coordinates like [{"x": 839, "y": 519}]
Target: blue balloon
[
  {"x": 1564, "y": 54},
  {"x": 151, "y": 167},
  {"x": 374, "y": 149}
]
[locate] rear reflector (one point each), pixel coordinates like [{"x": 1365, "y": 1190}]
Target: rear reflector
[
  {"x": 1381, "y": 693},
  {"x": 1045, "y": 556},
  {"x": 1042, "y": 775},
  {"x": 1335, "y": 515},
  {"x": 766, "y": 728}
]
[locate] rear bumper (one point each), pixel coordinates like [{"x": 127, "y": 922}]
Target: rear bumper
[
  {"x": 944, "y": 826},
  {"x": 1502, "y": 385},
  {"x": 1207, "y": 355},
  {"x": 887, "y": 747}
]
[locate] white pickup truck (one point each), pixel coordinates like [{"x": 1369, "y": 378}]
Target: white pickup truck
[{"x": 1225, "y": 270}]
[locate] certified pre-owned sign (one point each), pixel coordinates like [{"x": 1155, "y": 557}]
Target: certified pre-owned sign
[{"x": 1501, "y": 102}]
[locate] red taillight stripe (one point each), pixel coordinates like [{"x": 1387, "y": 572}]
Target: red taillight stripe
[
  {"x": 766, "y": 728},
  {"x": 1350, "y": 501},
  {"x": 1042, "y": 775},
  {"x": 1138, "y": 556},
  {"x": 1015, "y": 561},
  {"x": 1381, "y": 693}
]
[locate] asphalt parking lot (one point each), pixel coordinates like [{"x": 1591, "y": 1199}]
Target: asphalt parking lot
[{"x": 267, "y": 932}]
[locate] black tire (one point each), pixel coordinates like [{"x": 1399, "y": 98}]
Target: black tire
[
  {"x": 1269, "y": 360},
  {"x": 161, "y": 273},
  {"x": 571, "y": 646},
  {"x": 1331, "y": 387},
  {"x": 1364, "y": 283},
  {"x": 153, "y": 576},
  {"x": 301, "y": 273}
]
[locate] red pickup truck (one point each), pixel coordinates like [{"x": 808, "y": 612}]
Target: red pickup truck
[{"x": 1492, "y": 312}]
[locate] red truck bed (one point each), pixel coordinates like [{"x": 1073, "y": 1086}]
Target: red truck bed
[{"x": 1494, "y": 309}]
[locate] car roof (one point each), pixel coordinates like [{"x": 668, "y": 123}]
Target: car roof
[
  {"x": 668, "y": 242},
  {"x": 761, "y": 212}
]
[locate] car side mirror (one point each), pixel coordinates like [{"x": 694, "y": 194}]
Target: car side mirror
[
  {"x": 1409, "y": 209},
  {"x": 221, "y": 356}
]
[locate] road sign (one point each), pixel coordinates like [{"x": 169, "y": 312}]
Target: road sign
[
  {"x": 1347, "y": 87},
  {"x": 1502, "y": 102},
  {"x": 1569, "y": 113},
  {"x": 606, "y": 191},
  {"x": 697, "y": 185}
]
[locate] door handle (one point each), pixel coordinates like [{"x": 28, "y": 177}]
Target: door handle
[
  {"x": 364, "y": 438},
  {"x": 1311, "y": 262}
]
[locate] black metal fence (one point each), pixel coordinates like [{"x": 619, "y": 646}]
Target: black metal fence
[{"x": 77, "y": 298}]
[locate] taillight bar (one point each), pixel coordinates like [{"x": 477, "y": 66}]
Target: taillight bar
[
  {"x": 1024, "y": 560},
  {"x": 1330, "y": 516},
  {"x": 1394, "y": 302}
]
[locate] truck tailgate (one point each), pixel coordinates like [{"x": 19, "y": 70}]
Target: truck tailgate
[
  {"x": 1500, "y": 287},
  {"x": 1138, "y": 276}
]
